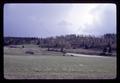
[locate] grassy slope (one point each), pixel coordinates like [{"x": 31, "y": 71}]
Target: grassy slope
[{"x": 56, "y": 67}]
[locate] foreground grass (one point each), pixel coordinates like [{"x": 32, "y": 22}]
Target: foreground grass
[{"x": 58, "y": 67}]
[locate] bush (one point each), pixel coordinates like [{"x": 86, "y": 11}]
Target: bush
[
  {"x": 12, "y": 46},
  {"x": 29, "y": 52},
  {"x": 23, "y": 46}
]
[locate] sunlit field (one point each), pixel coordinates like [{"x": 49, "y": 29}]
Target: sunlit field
[{"x": 45, "y": 64}]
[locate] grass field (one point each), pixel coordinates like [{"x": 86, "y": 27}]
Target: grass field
[{"x": 52, "y": 65}]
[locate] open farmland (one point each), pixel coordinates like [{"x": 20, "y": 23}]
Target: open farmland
[{"x": 45, "y": 64}]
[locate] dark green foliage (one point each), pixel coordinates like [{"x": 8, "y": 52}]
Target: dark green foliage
[
  {"x": 104, "y": 50},
  {"x": 107, "y": 50},
  {"x": 86, "y": 46},
  {"x": 61, "y": 49}
]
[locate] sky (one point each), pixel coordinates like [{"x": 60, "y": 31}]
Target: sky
[{"x": 54, "y": 19}]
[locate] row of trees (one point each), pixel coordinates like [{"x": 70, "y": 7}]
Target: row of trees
[{"x": 68, "y": 41}]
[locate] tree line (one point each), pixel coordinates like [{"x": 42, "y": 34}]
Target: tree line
[{"x": 72, "y": 41}]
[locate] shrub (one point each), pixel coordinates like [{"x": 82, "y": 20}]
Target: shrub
[
  {"x": 29, "y": 52},
  {"x": 23, "y": 46}
]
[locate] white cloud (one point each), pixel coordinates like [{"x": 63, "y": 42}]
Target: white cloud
[{"x": 93, "y": 18}]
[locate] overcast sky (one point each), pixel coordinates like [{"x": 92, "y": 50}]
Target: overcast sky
[{"x": 43, "y": 20}]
